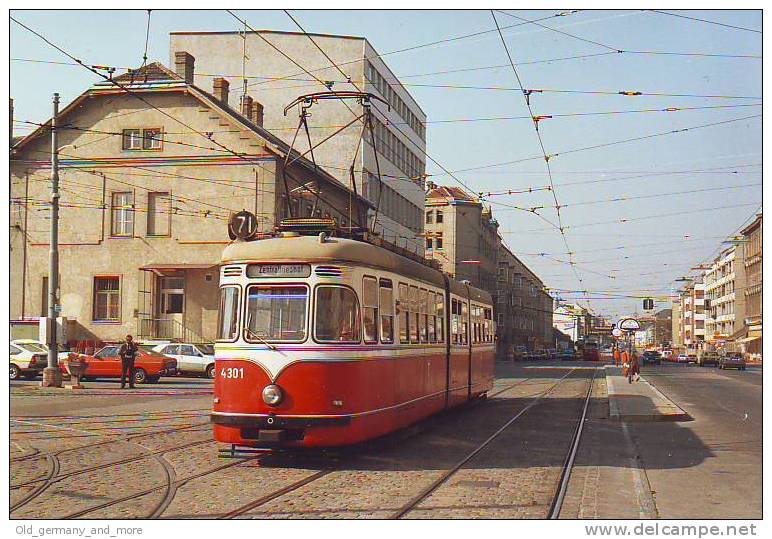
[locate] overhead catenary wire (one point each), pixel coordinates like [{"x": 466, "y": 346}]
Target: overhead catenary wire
[
  {"x": 560, "y": 225},
  {"x": 640, "y": 197},
  {"x": 611, "y": 143},
  {"x": 705, "y": 21}
]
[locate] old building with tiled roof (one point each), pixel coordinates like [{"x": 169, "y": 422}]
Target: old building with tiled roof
[{"x": 151, "y": 168}]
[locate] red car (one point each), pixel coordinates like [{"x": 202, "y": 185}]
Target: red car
[{"x": 148, "y": 367}]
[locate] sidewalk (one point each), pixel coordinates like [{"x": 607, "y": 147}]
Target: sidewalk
[{"x": 638, "y": 401}]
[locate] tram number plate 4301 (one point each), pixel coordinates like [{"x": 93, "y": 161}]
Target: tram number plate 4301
[{"x": 232, "y": 372}]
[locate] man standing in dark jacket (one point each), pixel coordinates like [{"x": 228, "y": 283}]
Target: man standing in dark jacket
[{"x": 127, "y": 353}]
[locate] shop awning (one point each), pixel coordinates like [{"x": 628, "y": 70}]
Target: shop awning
[{"x": 752, "y": 336}]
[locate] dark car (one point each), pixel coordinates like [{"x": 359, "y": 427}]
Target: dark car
[
  {"x": 708, "y": 358},
  {"x": 651, "y": 357},
  {"x": 732, "y": 361},
  {"x": 567, "y": 355}
]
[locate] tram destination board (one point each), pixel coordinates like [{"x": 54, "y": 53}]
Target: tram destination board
[{"x": 278, "y": 270}]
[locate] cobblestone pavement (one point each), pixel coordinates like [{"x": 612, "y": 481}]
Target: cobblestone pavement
[{"x": 140, "y": 456}]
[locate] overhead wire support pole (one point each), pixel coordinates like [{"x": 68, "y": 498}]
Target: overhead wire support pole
[{"x": 52, "y": 377}]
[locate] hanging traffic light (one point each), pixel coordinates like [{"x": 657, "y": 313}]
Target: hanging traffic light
[{"x": 648, "y": 304}]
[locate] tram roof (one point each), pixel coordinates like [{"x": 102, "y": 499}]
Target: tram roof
[{"x": 310, "y": 249}]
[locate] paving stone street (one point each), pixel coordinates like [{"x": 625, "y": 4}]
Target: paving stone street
[{"x": 102, "y": 453}]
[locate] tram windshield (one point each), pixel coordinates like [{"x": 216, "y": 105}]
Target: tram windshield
[{"x": 276, "y": 313}]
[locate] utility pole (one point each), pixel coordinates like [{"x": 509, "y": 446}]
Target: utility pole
[{"x": 52, "y": 377}]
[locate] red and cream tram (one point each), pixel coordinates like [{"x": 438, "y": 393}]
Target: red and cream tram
[{"x": 327, "y": 341}]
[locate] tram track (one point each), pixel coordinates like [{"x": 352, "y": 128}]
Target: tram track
[
  {"x": 319, "y": 474},
  {"x": 447, "y": 474},
  {"x": 568, "y": 464},
  {"x": 54, "y": 476},
  {"x": 170, "y": 490}
]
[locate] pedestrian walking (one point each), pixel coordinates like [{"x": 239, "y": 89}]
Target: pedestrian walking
[
  {"x": 617, "y": 356},
  {"x": 128, "y": 353},
  {"x": 635, "y": 367}
]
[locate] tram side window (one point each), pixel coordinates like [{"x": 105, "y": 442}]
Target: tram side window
[
  {"x": 440, "y": 317},
  {"x": 464, "y": 323},
  {"x": 386, "y": 302},
  {"x": 423, "y": 308},
  {"x": 404, "y": 314},
  {"x": 228, "y": 314},
  {"x": 337, "y": 315},
  {"x": 370, "y": 308},
  {"x": 414, "y": 315},
  {"x": 432, "y": 317},
  {"x": 454, "y": 330}
]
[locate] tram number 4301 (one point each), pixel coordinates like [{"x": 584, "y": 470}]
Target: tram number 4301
[{"x": 232, "y": 372}]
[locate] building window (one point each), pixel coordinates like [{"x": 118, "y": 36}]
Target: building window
[
  {"x": 428, "y": 244},
  {"x": 438, "y": 241},
  {"x": 429, "y": 217},
  {"x": 107, "y": 299},
  {"x": 122, "y": 214},
  {"x": 152, "y": 139},
  {"x": 158, "y": 214},
  {"x": 132, "y": 139},
  {"x": 439, "y": 216}
]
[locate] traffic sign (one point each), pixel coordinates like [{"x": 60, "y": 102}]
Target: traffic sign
[
  {"x": 629, "y": 324},
  {"x": 242, "y": 225}
]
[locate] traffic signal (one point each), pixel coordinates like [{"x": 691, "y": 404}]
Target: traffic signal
[{"x": 648, "y": 304}]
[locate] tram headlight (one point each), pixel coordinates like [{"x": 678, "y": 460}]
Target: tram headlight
[{"x": 272, "y": 395}]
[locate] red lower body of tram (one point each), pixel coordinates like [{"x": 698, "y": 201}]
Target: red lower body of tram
[{"x": 334, "y": 402}]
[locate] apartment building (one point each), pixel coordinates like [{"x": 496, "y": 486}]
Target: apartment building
[
  {"x": 676, "y": 336},
  {"x": 148, "y": 182},
  {"x": 522, "y": 307},
  {"x": 265, "y": 63},
  {"x": 749, "y": 335},
  {"x": 724, "y": 287},
  {"x": 692, "y": 327},
  {"x": 462, "y": 236}
]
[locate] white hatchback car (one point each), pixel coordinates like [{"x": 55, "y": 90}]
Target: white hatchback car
[
  {"x": 27, "y": 360},
  {"x": 191, "y": 358}
]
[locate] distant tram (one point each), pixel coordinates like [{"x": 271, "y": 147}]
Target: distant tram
[{"x": 327, "y": 341}]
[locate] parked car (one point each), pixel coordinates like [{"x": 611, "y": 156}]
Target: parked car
[
  {"x": 708, "y": 358},
  {"x": 651, "y": 357},
  {"x": 191, "y": 358},
  {"x": 519, "y": 352},
  {"x": 682, "y": 358},
  {"x": 27, "y": 360},
  {"x": 567, "y": 355},
  {"x": 62, "y": 355},
  {"x": 691, "y": 358},
  {"x": 149, "y": 365},
  {"x": 553, "y": 353},
  {"x": 541, "y": 354},
  {"x": 667, "y": 354},
  {"x": 732, "y": 361}
]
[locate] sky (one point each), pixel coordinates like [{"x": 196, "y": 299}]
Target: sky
[{"x": 679, "y": 194}]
